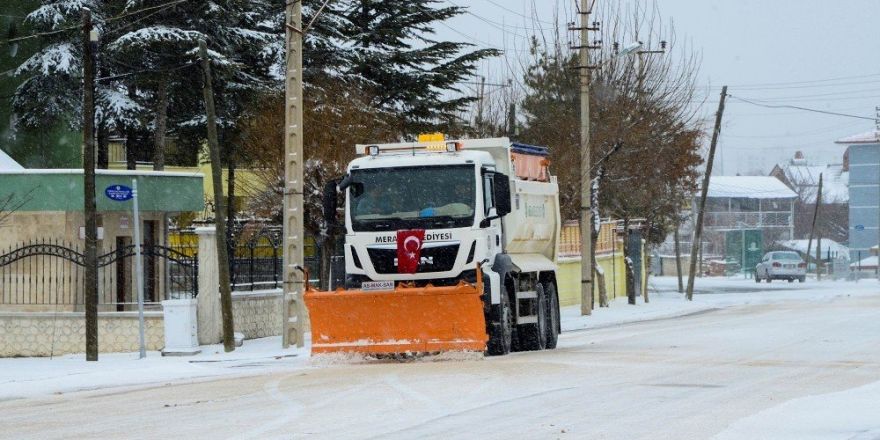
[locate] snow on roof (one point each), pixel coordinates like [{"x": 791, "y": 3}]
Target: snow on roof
[
  {"x": 749, "y": 187},
  {"x": 868, "y": 137},
  {"x": 867, "y": 263},
  {"x": 801, "y": 246},
  {"x": 805, "y": 179},
  {"x": 7, "y": 163}
]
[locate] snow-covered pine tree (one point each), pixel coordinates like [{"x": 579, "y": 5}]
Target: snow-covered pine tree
[
  {"x": 51, "y": 92},
  {"x": 243, "y": 42},
  {"x": 395, "y": 57},
  {"x": 147, "y": 64}
]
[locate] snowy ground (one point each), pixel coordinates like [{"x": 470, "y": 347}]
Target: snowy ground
[{"x": 741, "y": 361}]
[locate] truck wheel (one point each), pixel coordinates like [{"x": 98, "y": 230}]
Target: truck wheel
[
  {"x": 553, "y": 322},
  {"x": 500, "y": 328},
  {"x": 534, "y": 336},
  {"x": 802, "y": 279},
  {"x": 757, "y": 278}
]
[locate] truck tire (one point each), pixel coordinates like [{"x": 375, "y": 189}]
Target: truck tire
[
  {"x": 500, "y": 328},
  {"x": 534, "y": 336},
  {"x": 553, "y": 321}
]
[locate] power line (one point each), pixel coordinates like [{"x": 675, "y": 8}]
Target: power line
[
  {"x": 799, "y": 108},
  {"x": 108, "y": 20},
  {"x": 520, "y": 14},
  {"x": 500, "y": 26},
  {"x": 798, "y": 84},
  {"x": 809, "y": 133}
]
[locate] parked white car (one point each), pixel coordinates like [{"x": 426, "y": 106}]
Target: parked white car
[{"x": 781, "y": 265}]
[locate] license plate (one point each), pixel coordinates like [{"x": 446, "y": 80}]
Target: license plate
[
  {"x": 789, "y": 266},
  {"x": 377, "y": 286}
]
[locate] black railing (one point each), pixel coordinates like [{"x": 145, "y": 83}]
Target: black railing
[
  {"x": 256, "y": 257},
  {"x": 43, "y": 273},
  {"x": 255, "y": 262}
]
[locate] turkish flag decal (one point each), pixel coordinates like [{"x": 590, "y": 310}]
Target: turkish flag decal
[{"x": 409, "y": 250}]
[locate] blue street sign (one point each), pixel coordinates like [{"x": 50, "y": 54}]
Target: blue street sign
[
  {"x": 860, "y": 227},
  {"x": 120, "y": 193}
]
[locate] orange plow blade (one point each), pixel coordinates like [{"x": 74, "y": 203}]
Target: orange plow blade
[{"x": 406, "y": 320}]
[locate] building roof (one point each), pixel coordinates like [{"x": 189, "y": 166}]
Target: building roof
[
  {"x": 801, "y": 246},
  {"x": 867, "y": 263},
  {"x": 805, "y": 180},
  {"x": 749, "y": 187},
  {"x": 868, "y": 137},
  {"x": 8, "y": 163}
]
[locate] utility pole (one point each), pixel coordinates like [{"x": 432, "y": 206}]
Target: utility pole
[
  {"x": 676, "y": 240},
  {"x": 813, "y": 229},
  {"x": 698, "y": 226},
  {"x": 90, "y": 47},
  {"x": 480, "y": 105},
  {"x": 219, "y": 207},
  {"x": 511, "y": 120},
  {"x": 586, "y": 203},
  {"x": 293, "y": 179}
]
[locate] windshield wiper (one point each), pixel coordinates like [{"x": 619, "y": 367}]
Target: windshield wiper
[{"x": 443, "y": 220}]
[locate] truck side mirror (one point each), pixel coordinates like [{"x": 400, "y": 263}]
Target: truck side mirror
[
  {"x": 329, "y": 203},
  {"x": 502, "y": 194}
]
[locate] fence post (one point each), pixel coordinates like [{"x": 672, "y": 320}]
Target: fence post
[
  {"x": 251, "y": 265},
  {"x": 208, "y": 309}
]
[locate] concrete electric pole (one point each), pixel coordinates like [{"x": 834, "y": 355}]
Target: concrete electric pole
[
  {"x": 90, "y": 46},
  {"x": 813, "y": 231},
  {"x": 293, "y": 179},
  {"x": 586, "y": 210},
  {"x": 698, "y": 225}
]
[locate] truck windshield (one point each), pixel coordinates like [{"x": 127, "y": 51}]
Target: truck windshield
[{"x": 413, "y": 197}]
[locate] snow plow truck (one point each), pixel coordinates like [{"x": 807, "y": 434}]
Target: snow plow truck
[{"x": 450, "y": 245}]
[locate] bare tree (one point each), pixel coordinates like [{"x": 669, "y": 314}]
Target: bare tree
[
  {"x": 643, "y": 104},
  {"x": 336, "y": 118}
]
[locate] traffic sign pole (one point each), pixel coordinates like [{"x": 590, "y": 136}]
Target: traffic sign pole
[
  {"x": 122, "y": 193},
  {"x": 138, "y": 266}
]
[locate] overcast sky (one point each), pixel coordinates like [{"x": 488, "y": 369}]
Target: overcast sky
[{"x": 810, "y": 53}]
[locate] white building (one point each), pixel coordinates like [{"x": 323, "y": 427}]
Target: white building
[{"x": 747, "y": 202}]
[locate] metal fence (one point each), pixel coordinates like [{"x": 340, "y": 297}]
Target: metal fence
[
  {"x": 43, "y": 273},
  {"x": 256, "y": 257},
  {"x": 773, "y": 219},
  {"x": 255, "y": 260}
]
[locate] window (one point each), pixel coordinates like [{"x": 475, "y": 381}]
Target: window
[
  {"x": 744, "y": 205},
  {"x": 786, "y": 256},
  {"x": 717, "y": 205},
  {"x": 488, "y": 191}
]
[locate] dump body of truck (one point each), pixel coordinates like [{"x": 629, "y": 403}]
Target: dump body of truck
[{"x": 447, "y": 244}]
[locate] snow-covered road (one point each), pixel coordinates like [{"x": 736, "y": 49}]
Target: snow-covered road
[{"x": 752, "y": 364}]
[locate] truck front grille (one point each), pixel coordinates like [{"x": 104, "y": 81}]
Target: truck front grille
[{"x": 434, "y": 259}]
